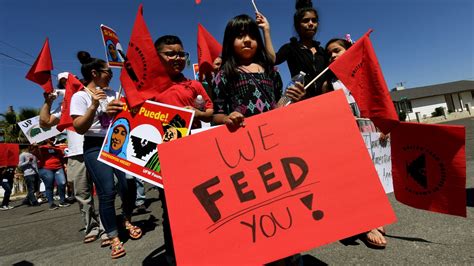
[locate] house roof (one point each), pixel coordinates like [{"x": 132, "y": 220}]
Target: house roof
[{"x": 433, "y": 90}]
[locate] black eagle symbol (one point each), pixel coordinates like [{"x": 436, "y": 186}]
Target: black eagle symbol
[{"x": 142, "y": 147}]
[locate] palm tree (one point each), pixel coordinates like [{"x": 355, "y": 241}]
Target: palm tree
[{"x": 9, "y": 127}]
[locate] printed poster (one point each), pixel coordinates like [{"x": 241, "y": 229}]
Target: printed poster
[
  {"x": 112, "y": 46},
  {"x": 276, "y": 187},
  {"x": 131, "y": 143},
  {"x": 196, "y": 71},
  {"x": 34, "y": 133},
  {"x": 381, "y": 156}
]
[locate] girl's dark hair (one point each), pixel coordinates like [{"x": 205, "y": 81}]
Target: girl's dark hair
[
  {"x": 167, "y": 40},
  {"x": 88, "y": 64},
  {"x": 299, "y": 14},
  {"x": 238, "y": 26},
  {"x": 342, "y": 42},
  {"x": 303, "y": 3}
]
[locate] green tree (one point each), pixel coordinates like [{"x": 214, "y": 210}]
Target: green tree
[{"x": 9, "y": 127}]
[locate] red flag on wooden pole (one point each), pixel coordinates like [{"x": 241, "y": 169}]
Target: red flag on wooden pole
[
  {"x": 40, "y": 71},
  {"x": 73, "y": 85},
  {"x": 359, "y": 70},
  {"x": 143, "y": 75},
  {"x": 427, "y": 172},
  {"x": 208, "y": 50}
]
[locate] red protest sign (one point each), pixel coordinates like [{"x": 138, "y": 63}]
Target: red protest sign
[
  {"x": 9, "y": 154},
  {"x": 133, "y": 136},
  {"x": 298, "y": 175},
  {"x": 112, "y": 46},
  {"x": 427, "y": 173}
]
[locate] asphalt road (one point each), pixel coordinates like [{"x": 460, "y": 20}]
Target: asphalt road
[{"x": 37, "y": 236}]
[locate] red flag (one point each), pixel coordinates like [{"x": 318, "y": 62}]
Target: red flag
[
  {"x": 359, "y": 70},
  {"x": 208, "y": 50},
  {"x": 198, "y": 2},
  {"x": 9, "y": 154},
  {"x": 143, "y": 75},
  {"x": 40, "y": 71},
  {"x": 427, "y": 173},
  {"x": 73, "y": 85}
]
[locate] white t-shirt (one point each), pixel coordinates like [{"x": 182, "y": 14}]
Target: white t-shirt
[
  {"x": 75, "y": 141},
  {"x": 81, "y": 100}
]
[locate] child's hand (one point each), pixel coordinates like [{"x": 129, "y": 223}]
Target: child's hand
[
  {"x": 114, "y": 107},
  {"x": 262, "y": 21},
  {"x": 296, "y": 92},
  {"x": 235, "y": 119}
]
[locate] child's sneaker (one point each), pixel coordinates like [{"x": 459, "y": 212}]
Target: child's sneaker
[
  {"x": 53, "y": 207},
  {"x": 4, "y": 208},
  {"x": 64, "y": 204}
]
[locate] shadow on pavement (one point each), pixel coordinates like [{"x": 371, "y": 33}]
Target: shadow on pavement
[
  {"x": 156, "y": 257},
  {"x": 411, "y": 239},
  {"x": 310, "y": 260},
  {"x": 470, "y": 197},
  {"x": 23, "y": 263},
  {"x": 146, "y": 225}
]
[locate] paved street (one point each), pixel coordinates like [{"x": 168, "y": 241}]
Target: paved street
[{"x": 37, "y": 236}]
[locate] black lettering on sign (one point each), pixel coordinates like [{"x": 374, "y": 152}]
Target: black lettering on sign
[
  {"x": 266, "y": 177},
  {"x": 239, "y": 187},
  {"x": 251, "y": 155},
  {"x": 241, "y": 155},
  {"x": 268, "y": 225},
  {"x": 208, "y": 201},
  {"x": 262, "y": 137},
  {"x": 292, "y": 181}
]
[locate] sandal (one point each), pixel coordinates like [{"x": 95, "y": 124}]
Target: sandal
[
  {"x": 105, "y": 242},
  {"x": 134, "y": 232},
  {"x": 371, "y": 243},
  {"x": 90, "y": 238},
  {"x": 382, "y": 230},
  {"x": 117, "y": 248}
]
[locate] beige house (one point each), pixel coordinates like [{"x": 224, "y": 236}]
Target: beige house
[{"x": 420, "y": 103}]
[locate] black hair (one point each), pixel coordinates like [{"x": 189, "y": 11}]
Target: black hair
[
  {"x": 302, "y": 7},
  {"x": 303, "y": 3},
  {"x": 167, "y": 40},
  {"x": 342, "y": 42},
  {"x": 239, "y": 25},
  {"x": 88, "y": 64}
]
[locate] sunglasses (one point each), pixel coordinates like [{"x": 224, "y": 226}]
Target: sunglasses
[
  {"x": 175, "y": 54},
  {"x": 108, "y": 71}
]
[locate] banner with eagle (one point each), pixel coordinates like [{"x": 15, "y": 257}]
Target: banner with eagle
[{"x": 131, "y": 143}]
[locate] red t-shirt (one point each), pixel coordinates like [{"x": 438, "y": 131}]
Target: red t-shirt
[
  {"x": 51, "y": 157},
  {"x": 184, "y": 93}
]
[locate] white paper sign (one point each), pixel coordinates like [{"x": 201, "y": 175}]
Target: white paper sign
[
  {"x": 381, "y": 157},
  {"x": 34, "y": 132}
]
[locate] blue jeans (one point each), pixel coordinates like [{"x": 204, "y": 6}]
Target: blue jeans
[
  {"x": 48, "y": 176},
  {"x": 103, "y": 178},
  {"x": 30, "y": 185}
]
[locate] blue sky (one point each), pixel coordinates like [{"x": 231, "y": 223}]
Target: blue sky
[{"x": 418, "y": 42}]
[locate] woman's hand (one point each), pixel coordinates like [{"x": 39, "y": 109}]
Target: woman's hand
[
  {"x": 114, "y": 107},
  {"x": 296, "y": 92},
  {"x": 98, "y": 95}
]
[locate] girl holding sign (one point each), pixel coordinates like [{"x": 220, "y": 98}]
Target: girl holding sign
[
  {"x": 335, "y": 48},
  {"x": 247, "y": 84},
  {"x": 88, "y": 110}
]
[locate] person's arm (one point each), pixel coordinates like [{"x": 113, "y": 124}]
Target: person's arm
[
  {"x": 22, "y": 161},
  {"x": 263, "y": 23},
  {"x": 82, "y": 123},
  {"x": 234, "y": 119},
  {"x": 46, "y": 119}
]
